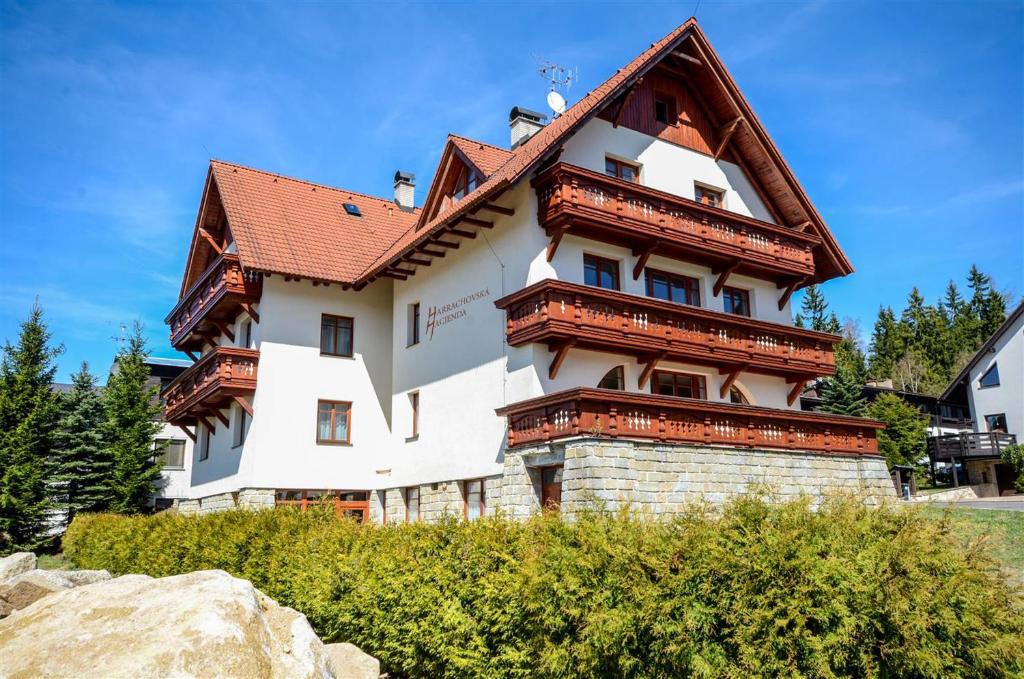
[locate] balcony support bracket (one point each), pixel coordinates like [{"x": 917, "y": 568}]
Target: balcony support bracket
[
  {"x": 723, "y": 276},
  {"x": 731, "y": 379},
  {"x": 225, "y": 330},
  {"x": 556, "y": 238},
  {"x": 650, "y": 364},
  {"x": 247, "y": 308},
  {"x": 643, "y": 254},
  {"x": 726, "y": 133},
  {"x": 561, "y": 351},
  {"x": 798, "y": 387},
  {"x": 220, "y": 416},
  {"x": 191, "y": 355},
  {"x": 210, "y": 239},
  {"x": 209, "y": 425},
  {"x": 790, "y": 289},
  {"x": 187, "y": 432},
  {"x": 244, "y": 403}
]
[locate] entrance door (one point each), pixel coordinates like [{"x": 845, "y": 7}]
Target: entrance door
[
  {"x": 551, "y": 488},
  {"x": 1005, "y": 477}
]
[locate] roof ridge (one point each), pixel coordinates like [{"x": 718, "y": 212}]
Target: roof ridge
[
  {"x": 482, "y": 143},
  {"x": 278, "y": 175}
]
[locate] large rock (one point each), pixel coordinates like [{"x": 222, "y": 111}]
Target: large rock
[
  {"x": 16, "y": 564},
  {"x": 351, "y": 663},
  {"x": 23, "y": 590},
  {"x": 203, "y": 624}
]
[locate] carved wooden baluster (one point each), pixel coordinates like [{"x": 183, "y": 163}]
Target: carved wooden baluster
[
  {"x": 545, "y": 426},
  {"x": 777, "y": 249},
  {"x": 613, "y": 421},
  {"x": 744, "y": 243},
  {"x": 577, "y": 315},
  {"x": 828, "y": 439},
  {"x": 706, "y": 433},
  {"x": 792, "y": 436},
  {"x": 618, "y": 202},
  {"x": 574, "y": 408},
  {"x": 662, "y": 429}
]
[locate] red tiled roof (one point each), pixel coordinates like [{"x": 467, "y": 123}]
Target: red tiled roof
[
  {"x": 293, "y": 227},
  {"x": 488, "y": 159}
]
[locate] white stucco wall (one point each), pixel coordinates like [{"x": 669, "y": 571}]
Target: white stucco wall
[
  {"x": 1008, "y": 397},
  {"x": 174, "y": 482}
]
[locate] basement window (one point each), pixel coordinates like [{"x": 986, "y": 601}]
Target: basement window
[{"x": 353, "y": 209}]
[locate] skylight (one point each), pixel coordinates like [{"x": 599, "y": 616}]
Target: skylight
[{"x": 353, "y": 209}]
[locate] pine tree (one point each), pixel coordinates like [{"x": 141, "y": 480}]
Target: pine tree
[
  {"x": 988, "y": 307},
  {"x": 83, "y": 463},
  {"x": 814, "y": 312},
  {"x": 28, "y": 417},
  {"x": 848, "y": 353},
  {"x": 131, "y": 411},
  {"x": 888, "y": 343},
  {"x": 842, "y": 394},
  {"x": 903, "y": 440}
]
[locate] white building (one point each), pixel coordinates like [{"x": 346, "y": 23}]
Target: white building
[{"x": 599, "y": 312}]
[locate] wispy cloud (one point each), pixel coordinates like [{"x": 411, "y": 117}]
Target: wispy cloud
[
  {"x": 987, "y": 193},
  {"x": 774, "y": 36}
]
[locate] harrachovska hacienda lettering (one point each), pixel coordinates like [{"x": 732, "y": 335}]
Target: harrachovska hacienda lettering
[{"x": 452, "y": 311}]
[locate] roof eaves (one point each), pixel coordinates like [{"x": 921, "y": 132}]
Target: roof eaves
[{"x": 989, "y": 343}]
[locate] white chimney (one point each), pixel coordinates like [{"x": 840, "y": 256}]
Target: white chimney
[
  {"x": 405, "y": 189},
  {"x": 524, "y": 124}
]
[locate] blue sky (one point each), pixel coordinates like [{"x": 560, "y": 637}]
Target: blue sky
[{"x": 903, "y": 121}]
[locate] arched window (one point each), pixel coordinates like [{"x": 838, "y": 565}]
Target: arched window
[
  {"x": 737, "y": 396},
  {"x": 613, "y": 379}
]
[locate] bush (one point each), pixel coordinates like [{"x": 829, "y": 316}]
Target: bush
[
  {"x": 758, "y": 589},
  {"x": 1013, "y": 455}
]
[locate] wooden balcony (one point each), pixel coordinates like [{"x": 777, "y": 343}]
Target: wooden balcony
[
  {"x": 564, "y": 315},
  {"x": 213, "y": 303},
  {"x": 968, "y": 445},
  {"x": 572, "y": 199},
  {"x": 221, "y": 376},
  {"x": 620, "y": 414}
]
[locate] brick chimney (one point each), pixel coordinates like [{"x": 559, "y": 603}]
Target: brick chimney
[
  {"x": 524, "y": 123},
  {"x": 405, "y": 189}
]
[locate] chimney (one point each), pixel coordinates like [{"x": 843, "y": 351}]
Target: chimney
[
  {"x": 524, "y": 124},
  {"x": 405, "y": 189}
]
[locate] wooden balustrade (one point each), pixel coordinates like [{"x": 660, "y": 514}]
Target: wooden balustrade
[
  {"x": 605, "y": 320},
  {"x": 217, "y": 297},
  {"x": 615, "y": 414},
  {"x": 573, "y": 199},
  {"x": 211, "y": 383}
]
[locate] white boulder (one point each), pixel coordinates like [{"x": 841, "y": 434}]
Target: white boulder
[
  {"x": 16, "y": 564},
  {"x": 349, "y": 662}
]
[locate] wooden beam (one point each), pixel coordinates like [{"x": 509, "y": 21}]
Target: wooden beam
[
  {"x": 225, "y": 330},
  {"x": 220, "y": 416},
  {"x": 187, "y": 432},
  {"x": 191, "y": 355},
  {"x": 247, "y": 308},
  {"x": 392, "y": 274},
  {"x": 687, "y": 57},
  {"x": 210, "y": 427},
  {"x": 473, "y": 221},
  {"x": 625, "y": 101},
  {"x": 499, "y": 209},
  {"x": 725, "y": 134},
  {"x": 561, "y": 351},
  {"x": 733, "y": 374},
  {"x": 723, "y": 277},
  {"x": 756, "y": 181},
  {"x": 648, "y": 370},
  {"x": 802, "y": 226},
  {"x": 431, "y": 253},
  {"x": 404, "y": 272},
  {"x": 642, "y": 255},
  {"x": 211, "y": 240},
  {"x": 209, "y": 338},
  {"x": 789, "y": 292},
  {"x": 444, "y": 243},
  {"x": 417, "y": 261},
  {"x": 794, "y": 393},
  {"x": 244, "y": 402},
  {"x": 462, "y": 233},
  {"x": 556, "y": 238}
]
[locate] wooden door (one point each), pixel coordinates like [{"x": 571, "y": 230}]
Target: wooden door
[{"x": 551, "y": 488}]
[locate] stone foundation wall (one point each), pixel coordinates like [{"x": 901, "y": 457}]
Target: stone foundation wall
[{"x": 246, "y": 498}]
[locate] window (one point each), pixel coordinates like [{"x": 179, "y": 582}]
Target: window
[
  {"x": 475, "y": 499},
  {"x": 683, "y": 385},
  {"x": 204, "y": 443},
  {"x": 414, "y": 406},
  {"x": 736, "y": 301},
  {"x": 354, "y": 504},
  {"x": 996, "y": 422},
  {"x": 241, "y": 420},
  {"x": 412, "y": 504},
  {"x": 621, "y": 170},
  {"x": 673, "y": 287},
  {"x": 665, "y": 109},
  {"x": 413, "y": 321},
  {"x": 333, "y": 422},
  {"x": 613, "y": 379},
  {"x": 736, "y": 396},
  {"x": 335, "y": 335},
  {"x": 551, "y": 488},
  {"x": 990, "y": 378},
  {"x": 708, "y": 196},
  {"x": 246, "y": 335},
  {"x": 352, "y": 209},
  {"x": 600, "y": 272},
  {"x": 173, "y": 454},
  {"x": 465, "y": 184}
]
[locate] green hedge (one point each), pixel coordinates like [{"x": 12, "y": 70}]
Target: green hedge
[{"x": 760, "y": 589}]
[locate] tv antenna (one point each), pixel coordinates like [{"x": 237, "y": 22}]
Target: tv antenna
[{"x": 559, "y": 78}]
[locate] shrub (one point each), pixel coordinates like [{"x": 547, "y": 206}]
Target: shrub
[
  {"x": 1013, "y": 455},
  {"x": 757, "y": 589}
]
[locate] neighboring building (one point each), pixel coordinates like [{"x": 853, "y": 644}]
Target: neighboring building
[
  {"x": 991, "y": 385},
  {"x": 176, "y": 459},
  {"x": 600, "y": 311}
]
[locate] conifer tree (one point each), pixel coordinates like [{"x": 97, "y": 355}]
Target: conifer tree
[
  {"x": 83, "y": 465},
  {"x": 131, "y": 410},
  {"x": 988, "y": 307},
  {"x": 842, "y": 394},
  {"x": 28, "y": 417},
  {"x": 888, "y": 343},
  {"x": 814, "y": 312},
  {"x": 903, "y": 440}
]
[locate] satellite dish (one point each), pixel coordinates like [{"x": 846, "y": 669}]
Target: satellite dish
[{"x": 557, "y": 102}]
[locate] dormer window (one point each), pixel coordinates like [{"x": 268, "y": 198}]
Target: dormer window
[
  {"x": 466, "y": 183},
  {"x": 621, "y": 170},
  {"x": 708, "y": 196}
]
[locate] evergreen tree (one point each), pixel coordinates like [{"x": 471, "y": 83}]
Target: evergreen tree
[
  {"x": 83, "y": 465},
  {"x": 903, "y": 440},
  {"x": 848, "y": 353},
  {"x": 131, "y": 410},
  {"x": 888, "y": 343},
  {"x": 28, "y": 417},
  {"x": 988, "y": 307},
  {"x": 842, "y": 394},
  {"x": 814, "y": 312}
]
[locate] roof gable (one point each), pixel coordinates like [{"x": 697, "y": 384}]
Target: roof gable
[
  {"x": 985, "y": 348},
  {"x": 459, "y": 157}
]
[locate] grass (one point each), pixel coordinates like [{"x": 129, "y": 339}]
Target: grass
[
  {"x": 1006, "y": 529},
  {"x": 53, "y": 562}
]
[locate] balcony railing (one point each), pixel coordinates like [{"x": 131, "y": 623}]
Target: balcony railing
[
  {"x": 968, "y": 445},
  {"x": 553, "y": 311},
  {"x": 614, "y": 414},
  {"x": 622, "y": 212},
  {"x": 211, "y": 383},
  {"x": 217, "y": 297}
]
